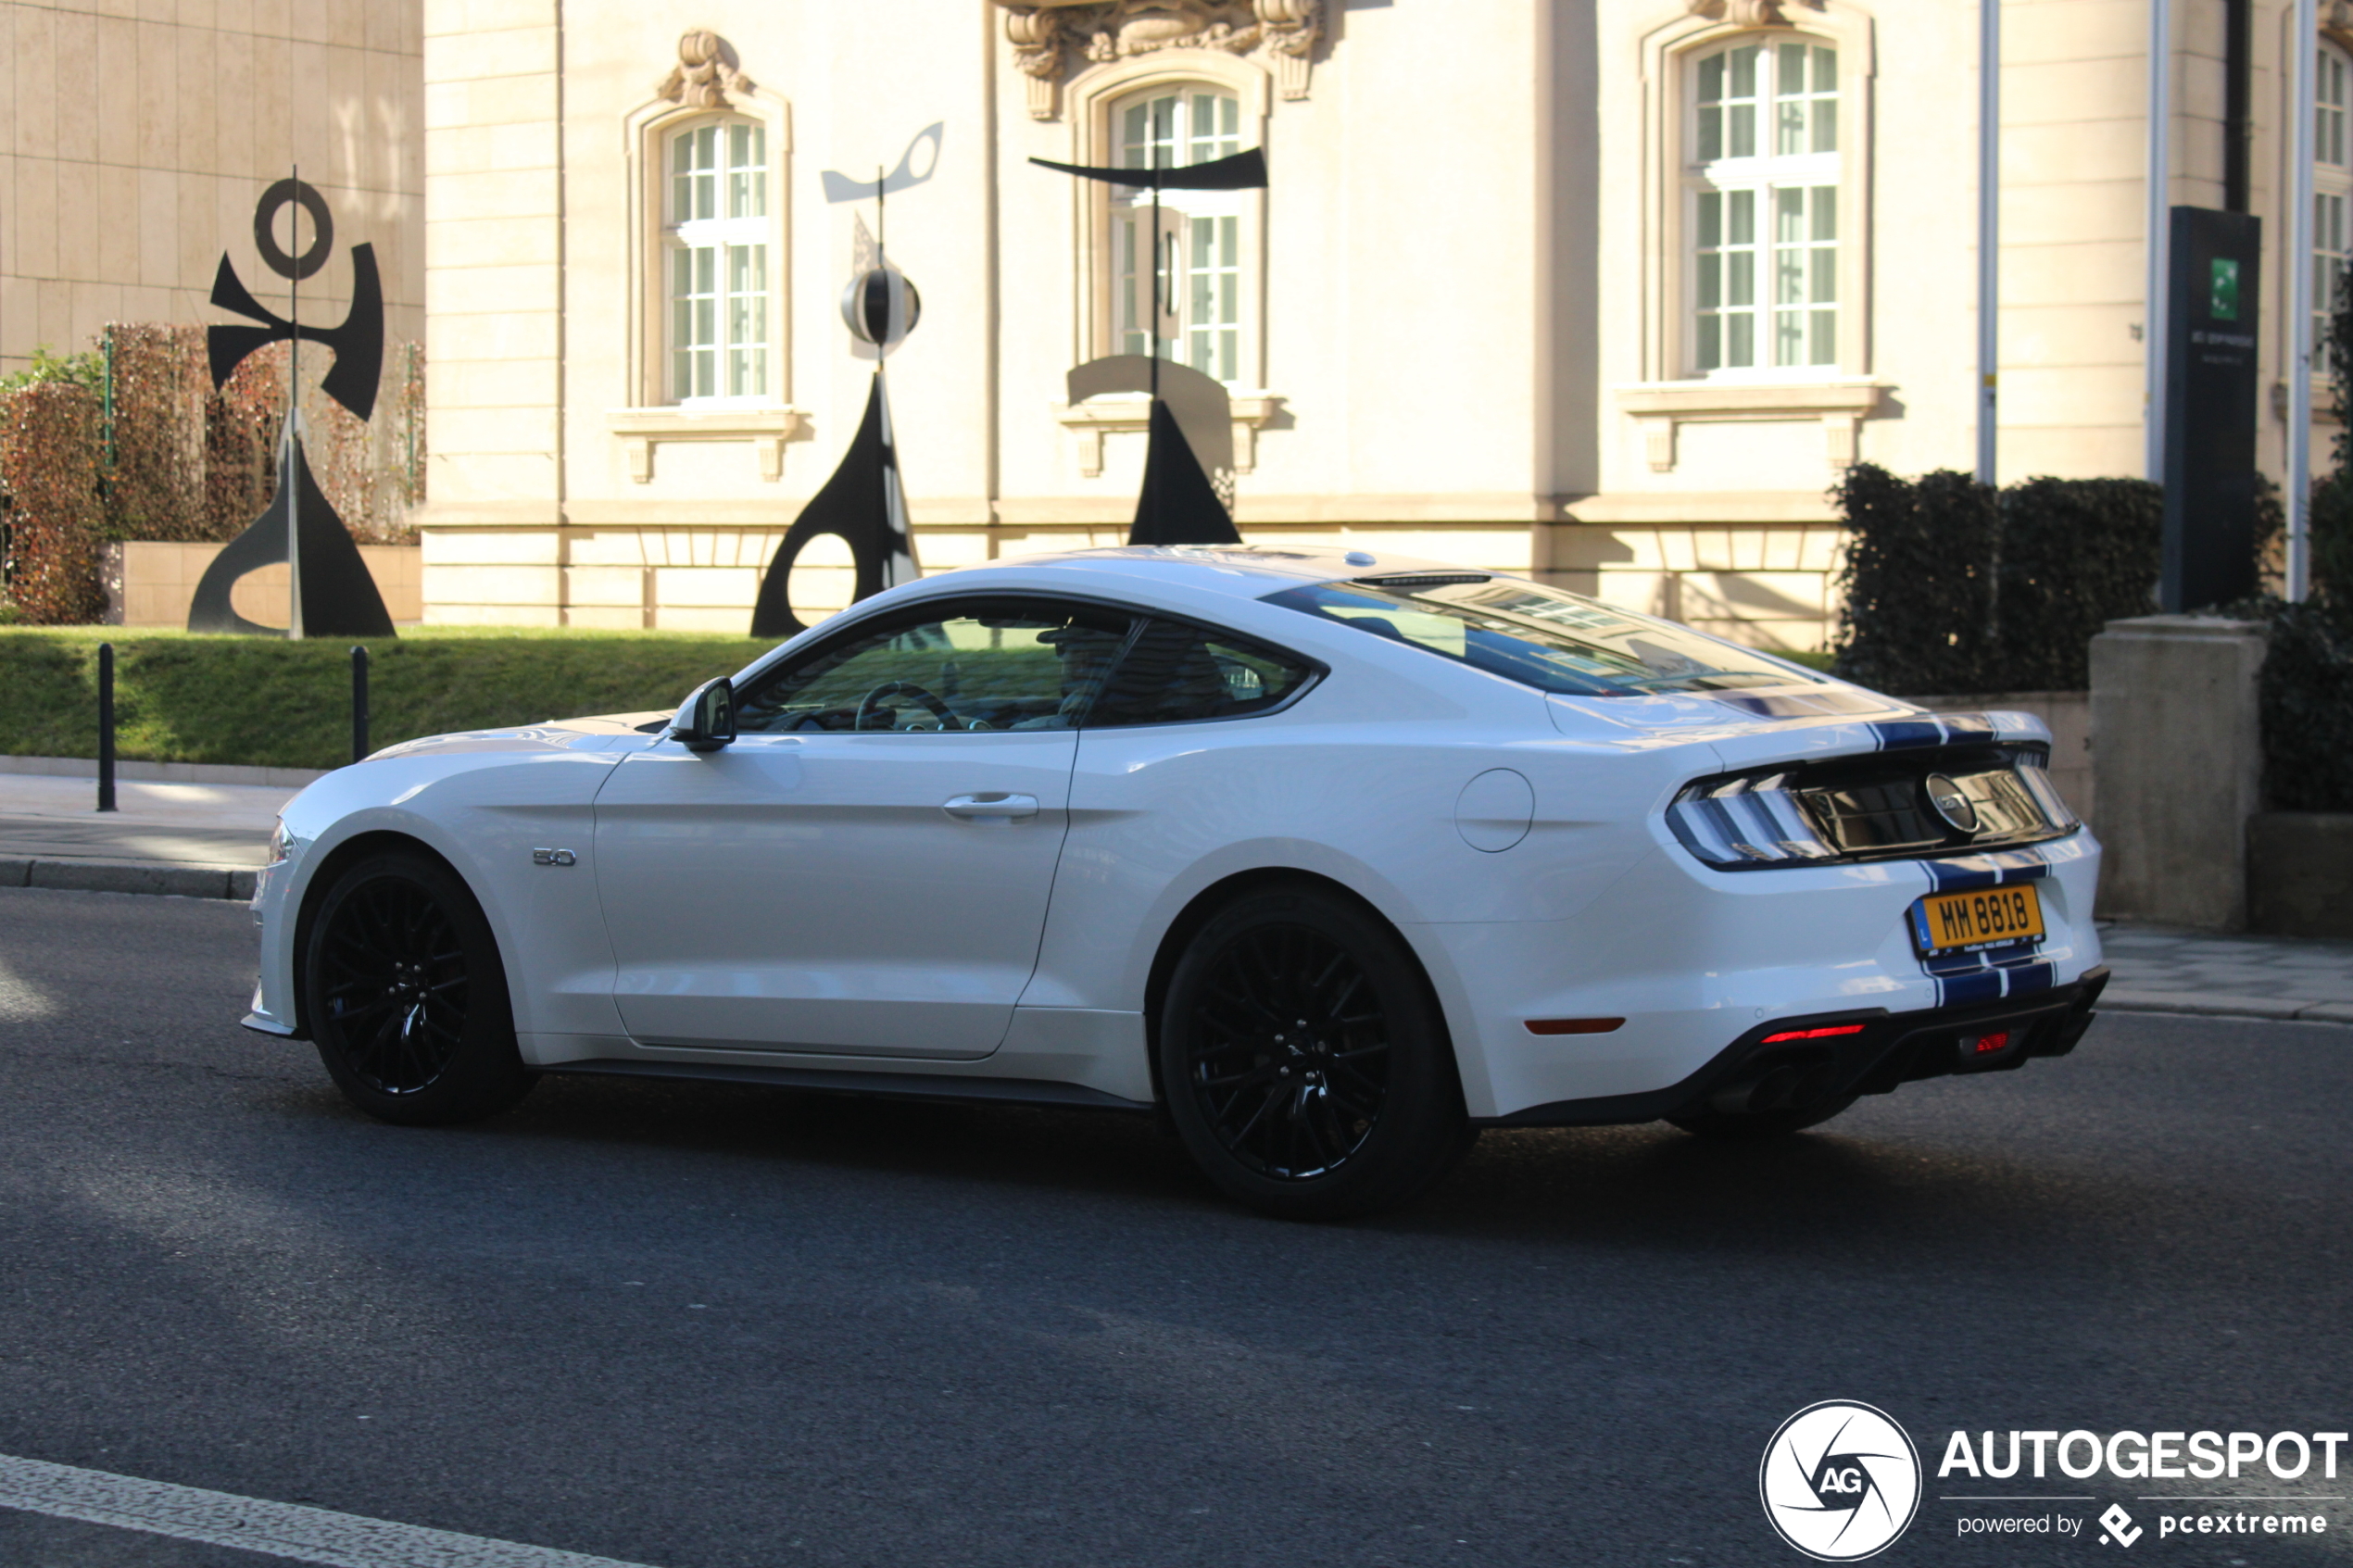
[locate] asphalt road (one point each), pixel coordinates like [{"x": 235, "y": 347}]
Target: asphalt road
[{"x": 698, "y": 1326}]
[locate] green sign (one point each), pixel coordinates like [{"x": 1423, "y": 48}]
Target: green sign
[{"x": 2224, "y": 304}]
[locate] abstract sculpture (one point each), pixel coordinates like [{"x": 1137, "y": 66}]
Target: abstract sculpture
[
  {"x": 1179, "y": 504},
  {"x": 330, "y": 592},
  {"x": 862, "y": 504}
]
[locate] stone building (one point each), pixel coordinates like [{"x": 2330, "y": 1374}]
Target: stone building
[{"x": 1611, "y": 291}]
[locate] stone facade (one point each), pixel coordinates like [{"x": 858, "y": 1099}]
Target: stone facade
[
  {"x": 1465, "y": 310},
  {"x": 1467, "y": 306},
  {"x": 136, "y": 135}
]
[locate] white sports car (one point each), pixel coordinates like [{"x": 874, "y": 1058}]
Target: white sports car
[{"x": 1328, "y": 860}]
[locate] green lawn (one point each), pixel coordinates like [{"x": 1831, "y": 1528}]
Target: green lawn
[{"x": 265, "y": 702}]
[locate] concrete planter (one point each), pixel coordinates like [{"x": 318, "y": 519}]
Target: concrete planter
[{"x": 2299, "y": 873}]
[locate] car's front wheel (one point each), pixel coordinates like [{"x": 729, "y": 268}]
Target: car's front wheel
[
  {"x": 1305, "y": 1063},
  {"x": 406, "y": 997}
]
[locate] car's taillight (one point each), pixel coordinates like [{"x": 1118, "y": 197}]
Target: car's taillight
[
  {"x": 2032, "y": 773},
  {"x": 1872, "y": 806},
  {"x": 1746, "y": 822}
]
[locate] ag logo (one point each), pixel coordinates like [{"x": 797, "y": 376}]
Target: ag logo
[{"x": 1840, "y": 1481}]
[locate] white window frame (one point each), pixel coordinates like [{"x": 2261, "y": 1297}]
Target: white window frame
[
  {"x": 647, "y": 133},
  {"x": 1097, "y": 95},
  {"x": 1202, "y": 269},
  {"x": 715, "y": 230},
  {"x": 2331, "y": 189},
  {"x": 1782, "y": 194},
  {"x": 1670, "y": 52}
]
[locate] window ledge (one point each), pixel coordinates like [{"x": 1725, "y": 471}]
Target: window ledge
[
  {"x": 1661, "y": 407},
  {"x": 1127, "y": 412},
  {"x": 767, "y": 426}
]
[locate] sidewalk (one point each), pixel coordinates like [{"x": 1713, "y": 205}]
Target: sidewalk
[
  {"x": 200, "y": 839},
  {"x": 205, "y": 839},
  {"x": 2154, "y": 968}
]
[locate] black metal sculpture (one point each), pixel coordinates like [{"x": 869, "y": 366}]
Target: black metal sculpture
[
  {"x": 1178, "y": 504},
  {"x": 862, "y": 504},
  {"x": 330, "y": 592}
]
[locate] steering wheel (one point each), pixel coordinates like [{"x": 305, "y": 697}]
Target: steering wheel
[{"x": 866, "y": 705}]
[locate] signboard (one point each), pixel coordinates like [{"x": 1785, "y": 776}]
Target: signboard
[{"x": 2211, "y": 387}]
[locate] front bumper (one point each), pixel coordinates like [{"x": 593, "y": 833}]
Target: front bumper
[{"x": 1817, "y": 1058}]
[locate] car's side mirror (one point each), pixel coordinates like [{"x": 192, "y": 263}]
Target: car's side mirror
[{"x": 707, "y": 720}]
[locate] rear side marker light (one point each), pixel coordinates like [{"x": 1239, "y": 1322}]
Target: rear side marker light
[
  {"x": 1573, "y": 1026},
  {"x": 1814, "y": 1034}
]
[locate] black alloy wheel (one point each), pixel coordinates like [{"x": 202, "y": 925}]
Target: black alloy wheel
[
  {"x": 1305, "y": 1063},
  {"x": 406, "y": 997},
  {"x": 1289, "y": 1052}
]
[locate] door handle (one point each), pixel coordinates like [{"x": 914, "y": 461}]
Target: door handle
[{"x": 992, "y": 808}]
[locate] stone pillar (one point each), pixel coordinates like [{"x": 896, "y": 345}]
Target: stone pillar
[{"x": 2177, "y": 765}]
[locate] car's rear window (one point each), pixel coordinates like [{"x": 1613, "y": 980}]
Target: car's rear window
[{"x": 1543, "y": 637}]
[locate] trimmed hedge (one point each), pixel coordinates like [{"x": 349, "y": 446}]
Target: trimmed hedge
[
  {"x": 2308, "y": 708},
  {"x": 1951, "y": 587},
  {"x": 268, "y": 703}
]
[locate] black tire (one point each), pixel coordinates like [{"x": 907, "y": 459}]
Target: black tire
[
  {"x": 1759, "y": 1123},
  {"x": 1306, "y": 1065},
  {"x": 406, "y": 997}
]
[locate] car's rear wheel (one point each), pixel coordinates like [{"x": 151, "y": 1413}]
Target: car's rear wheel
[
  {"x": 406, "y": 997},
  {"x": 1305, "y": 1063},
  {"x": 1744, "y": 1124}
]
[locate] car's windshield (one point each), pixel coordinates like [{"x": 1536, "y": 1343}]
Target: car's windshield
[{"x": 1552, "y": 640}]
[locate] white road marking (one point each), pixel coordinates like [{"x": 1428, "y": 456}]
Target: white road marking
[{"x": 277, "y": 1529}]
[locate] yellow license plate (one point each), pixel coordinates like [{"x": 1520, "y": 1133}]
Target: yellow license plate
[{"x": 1990, "y": 917}]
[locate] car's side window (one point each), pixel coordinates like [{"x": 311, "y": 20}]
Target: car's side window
[
  {"x": 959, "y": 665},
  {"x": 1175, "y": 673}
]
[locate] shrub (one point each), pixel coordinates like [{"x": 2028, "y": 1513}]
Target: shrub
[
  {"x": 2308, "y": 708},
  {"x": 49, "y": 473},
  {"x": 1951, "y": 586},
  {"x": 169, "y": 456},
  {"x": 2075, "y": 555}
]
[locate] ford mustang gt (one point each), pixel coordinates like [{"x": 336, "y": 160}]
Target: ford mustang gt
[{"x": 1328, "y": 860}]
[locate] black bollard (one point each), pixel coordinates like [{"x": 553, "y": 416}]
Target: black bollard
[
  {"x": 360, "y": 746},
  {"x": 106, "y": 726}
]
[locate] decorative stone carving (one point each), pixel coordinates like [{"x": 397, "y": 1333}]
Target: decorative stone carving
[
  {"x": 1049, "y": 35},
  {"x": 2337, "y": 22},
  {"x": 1749, "y": 13},
  {"x": 706, "y": 73}
]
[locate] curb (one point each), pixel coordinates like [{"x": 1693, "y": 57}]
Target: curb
[
  {"x": 2206, "y": 1004},
  {"x": 162, "y": 772},
  {"x": 132, "y": 876}
]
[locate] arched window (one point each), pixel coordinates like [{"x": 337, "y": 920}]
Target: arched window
[
  {"x": 1201, "y": 241},
  {"x": 1762, "y": 184},
  {"x": 715, "y": 232},
  {"x": 2331, "y": 189}
]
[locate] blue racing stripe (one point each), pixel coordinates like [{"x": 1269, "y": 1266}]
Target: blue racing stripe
[
  {"x": 2027, "y": 979},
  {"x": 1962, "y": 872},
  {"x": 1963, "y": 989},
  {"x": 1900, "y": 733}
]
